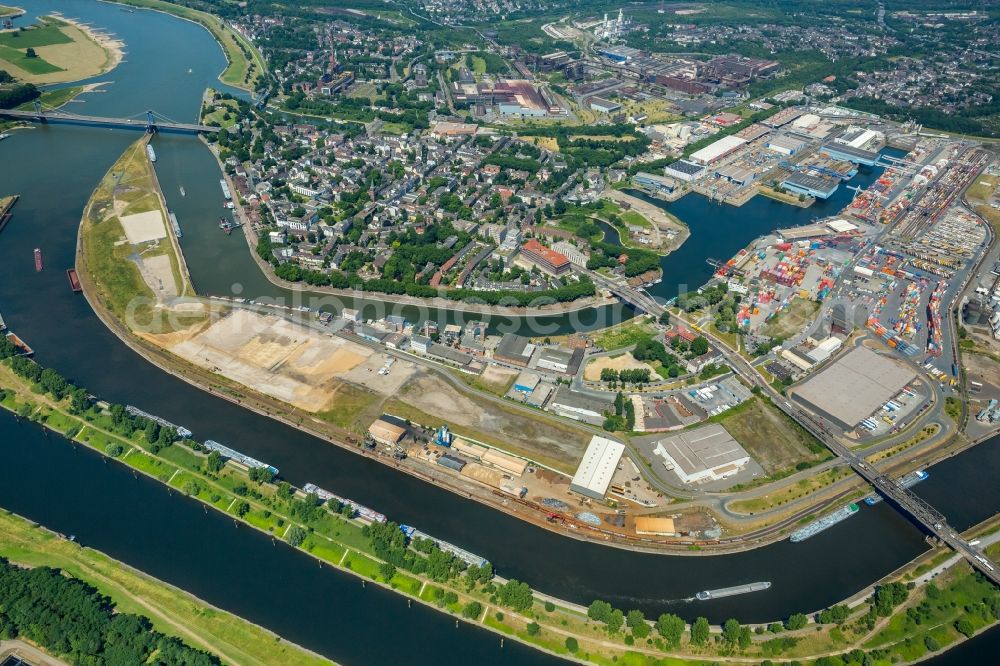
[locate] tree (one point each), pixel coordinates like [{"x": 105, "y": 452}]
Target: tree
[
  {"x": 534, "y": 629},
  {"x": 572, "y": 645},
  {"x": 242, "y": 509},
  {"x": 600, "y": 611},
  {"x": 671, "y": 628},
  {"x": 636, "y": 621},
  {"x": 214, "y": 462},
  {"x": 516, "y": 595},
  {"x": 386, "y": 570},
  {"x": 699, "y": 346},
  {"x": 472, "y": 610},
  {"x": 964, "y": 627},
  {"x": 700, "y": 631},
  {"x": 296, "y": 535},
  {"x": 731, "y": 632},
  {"x": 261, "y": 475},
  {"x": 796, "y": 621},
  {"x": 616, "y": 621},
  {"x": 30, "y": 53}
]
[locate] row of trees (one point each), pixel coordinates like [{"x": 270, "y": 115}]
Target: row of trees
[
  {"x": 626, "y": 375},
  {"x": 70, "y": 618},
  {"x": 622, "y": 417}
]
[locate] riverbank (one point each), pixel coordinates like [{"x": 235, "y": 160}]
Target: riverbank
[
  {"x": 245, "y": 64},
  {"x": 663, "y": 221},
  {"x": 10, "y": 12},
  {"x": 499, "y": 605},
  {"x": 172, "y": 611}
]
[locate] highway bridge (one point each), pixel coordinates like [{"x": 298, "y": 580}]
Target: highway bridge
[
  {"x": 903, "y": 499},
  {"x": 149, "y": 121}
]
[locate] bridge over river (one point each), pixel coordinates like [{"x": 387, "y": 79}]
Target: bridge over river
[{"x": 149, "y": 121}]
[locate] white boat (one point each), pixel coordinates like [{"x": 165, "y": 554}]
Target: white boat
[{"x": 183, "y": 193}]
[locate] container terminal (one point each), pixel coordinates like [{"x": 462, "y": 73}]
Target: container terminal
[
  {"x": 232, "y": 454},
  {"x": 174, "y": 223},
  {"x": 907, "y": 481},
  {"x": 182, "y": 432},
  {"x": 814, "y": 528},
  {"x": 707, "y": 595}
]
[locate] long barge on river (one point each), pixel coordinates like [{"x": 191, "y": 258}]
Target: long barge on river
[
  {"x": 826, "y": 522},
  {"x": 182, "y": 432},
  {"x": 74, "y": 280},
  {"x": 22, "y": 347},
  {"x": 5, "y": 209},
  {"x": 174, "y": 223},
  {"x": 707, "y": 595},
  {"x": 236, "y": 456},
  {"x": 364, "y": 513}
]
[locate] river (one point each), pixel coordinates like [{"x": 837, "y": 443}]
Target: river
[{"x": 55, "y": 169}]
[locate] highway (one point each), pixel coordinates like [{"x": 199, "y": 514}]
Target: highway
[{"x": 127, "y": 123}]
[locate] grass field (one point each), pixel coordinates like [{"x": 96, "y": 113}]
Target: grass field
[
  {"x": 172, "y": 611},
  {"x": 53, "y": 99},
  {"x": 63, "y": 52},
  {"x": 979, "y": 195},
  {"x": 8, "y": 11},
  {"x": 245, "y": 62},
  {"x": 792, "y": 319},
  {"x": 789, "y": 493},
  {"x": 625, "y": 335},
  {"x": 768, "y": 436}
]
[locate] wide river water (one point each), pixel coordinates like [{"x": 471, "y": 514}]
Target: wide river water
[{"x": 55, "y": 169}]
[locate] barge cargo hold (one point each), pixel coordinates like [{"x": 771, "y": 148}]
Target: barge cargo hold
[
  {"x": 22, "y": 347},
  {"x": 707, "y": 595},
  {"x": 364, "y": 513},
  {"x": 38, "y": 260},
  {"x": 814, "y": 528},
  {"x": 174, "y": 223},
  {"x": 236, "y": 456},
  {"x": 907, "y": 481},
  {"x": 74, "y": 280},
  {"x": 182, "y": 432},
  {"x": 225, "y": 190}
]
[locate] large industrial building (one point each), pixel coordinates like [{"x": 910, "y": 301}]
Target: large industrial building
[
  {"x": 597, "y": 468},
  {"x": 703, "y": 454},
  {"x": 843, "y": 151},
  {"x": 854, "y": 387},
  {"x": 715, "y": 151},
  {"x": 514, "y": 349},
  {"x": 683, "y": 170},
  {"x": 579, "y": 406},
  {"x": 819, "y": 187},
  {"x": 653, "y": 183}
]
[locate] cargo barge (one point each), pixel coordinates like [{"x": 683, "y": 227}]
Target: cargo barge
[
  {"x": 22, "y": 347},
  {"x": 182, "y": 432},
  {"x": 225, "y": 190},
  {"x": 74, "y": 280},
  {"x": 38, "y": 260},
  {"x": 708, "y": 595},
  {"x": 364, "y": 513},
  {"x": 236, "y": 456},
  {"x": 150, "y": 153},
  {"x": 814, "y": 528},
  {"x": 907, "y": 481},
  {"x": 174, "y": 223}
]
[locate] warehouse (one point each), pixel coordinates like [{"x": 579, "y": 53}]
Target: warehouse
[
  {"x": 602, "y": 105},
  {"x": 840, "y": 151},
  {"x": 684, "y": 170},
  {"x": 514, "y": 349},
  {"x": 854, "y": 386},
  {"x": 653, "y": 183},
  {"x": 505, "y": 463},
  {"x": 561, "y": 360},
  {"x": 714, "y": 152},
  {"x": 597, "y": 468},
  {"x": 579, "y": 406},
  {"x": 810, "y": 185},
  {"x": 703, "y": 454},
  {"x": 386, "y": 433},
  {"x": 786, "y": 145},
  {"x": 526, "y": 382},
  {"x": 652, "y": 526}
]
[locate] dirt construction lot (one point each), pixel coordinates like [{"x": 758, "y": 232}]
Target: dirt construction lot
[
  {"x": 622, "y": 362},
  {"x": 274, "y": 356},
  {"x": 768, "y": 436}
]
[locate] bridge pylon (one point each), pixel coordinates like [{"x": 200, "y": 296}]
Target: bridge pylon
[
  {"x": 38, "y": 111},
  {"x": 150, "y": 121}
]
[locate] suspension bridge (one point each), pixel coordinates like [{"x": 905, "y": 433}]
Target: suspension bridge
[{"x": 149, "y": 121}]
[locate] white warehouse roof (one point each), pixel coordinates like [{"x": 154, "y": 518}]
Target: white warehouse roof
[
  {"x": 714, "y": 151},
  {"x": 598, "y": 466}
]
